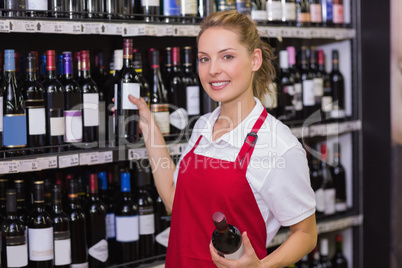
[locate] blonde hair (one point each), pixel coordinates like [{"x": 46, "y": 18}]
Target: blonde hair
[{"x": 248, "y": 36}]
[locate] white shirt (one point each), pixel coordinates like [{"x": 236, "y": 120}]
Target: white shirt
[{"x": 278, "y": 172}]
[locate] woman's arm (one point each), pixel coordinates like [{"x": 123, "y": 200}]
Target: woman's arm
[
  {"x": 301, "y": 241},
  {"x": 161, "y": 163}
]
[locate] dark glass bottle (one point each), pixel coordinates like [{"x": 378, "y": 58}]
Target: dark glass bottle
[
  {"x": 274, "y": 11},
  {"x": 3, "y": 197},
  {"x": 303, "y": 17},
  {"x": 297, "y": 83},
  {"x": 90, "y": 102},
  {"x": 74, "y": 9},
  {"x": 188, "y": 10},
  {"x": 318, "y": 79},
  {"x": 151, "y": 10},
  {"x": 226, "y": 238},
  {"x": 14, "y": 118},
  {"x": 127, "y": 8},
  {"x": 14, "y": 250},
  {"x": 137, "y": 64},
  {"x": 77, "y": 59},
  {"x": 339, "y": 260},
  {"x": 171, "y": 10},
  {"x": 60, "y": 67},
  {"x": 94, "y": 8},
  {"x": 289, "y": 12},
  {"x": 42, "y": 68},
  {"x": 324, "y": 252},
  {"x": 100, "y": 77},
  {"x": 54, "y": 96},
  {"x": 79, "y": 250},
  {"x": 61, "y": 229},
  {"x": 22, "y": 211},
  {"x": 192, "y": 87},
  {"x": 1, "y": 68},
  {"x": 159, "y": 103},
  {"x": 34, "y": 94},
  {"x": 326, "y": 99},
  {"x": 315, "y": 12},
  {"x": 315, "y": 258},
  {"x": 126, "y": 113},
  {"x": 339, "y": 176},
  {"x": 162, "y": 222},
  {"x": 17, "y": 8},
  {"x": 303, "y": 263},
  {"x": 112, "y": 9},
  {"x": 73, "y": 104},
  {"x": 37, "y": 8},
  {"x": 40, "y": 231},
  {"x": 287, "y": 109},
  {"x": 127, "y": 223},
  {"x": 96, "y": 226},
  {"x": 337, "y": 87},
  {"x": 317, "y": 183},
  {"x": 329, "y": 188},
  {"x": 308, "y": 84}
]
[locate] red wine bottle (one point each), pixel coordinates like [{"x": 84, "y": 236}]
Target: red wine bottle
[
  {"x": 303, "y": 17},
  {"x": 14, "y": 250},
  {"x": 297, "y": 82},
  {"x": 337, "y": 88},
  {"x": 3, "y": 197},
  {"x": 329, "y": 188},
  {"x": 315, "y": 258},
  {"x": 287, "y": 112},
  {"x": 96, "y": 226},
  {"x": 226, "y": 238},
  {"x": 34, "y": 95},
  {"x": 324, "y": 252},
  {"x": 308, "y": 84},
  {"x": 326, "y": 99},
  {"x": 339, "y": 260},
  {"x": 317, "y": 183},
  {"x": 315, "y": 12},
  {"x": 339, "y": 177},
  {"x": 127, "y": 223},
  {"x": 303, "y": 263},
  {"x": 61, "y": 229},
  {"x": 338, "y": 12},
  {"x": 318, "y": 78},
  {"x": 54, "y": 96},
  {"x": 79, "y": 251},
  {"x": 100, "y": 77},
  {"x": 90, "y": 102},
  {"x": 40, "y": 231},
  {"x": 137, "y": 64},
  {"x": 151, "y": 10},
  {"x": 22, "y": 211}
]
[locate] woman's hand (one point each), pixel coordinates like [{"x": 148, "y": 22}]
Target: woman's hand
[
  {"x": 145, "y": 113},
  {"x": 248, "y": 260}
]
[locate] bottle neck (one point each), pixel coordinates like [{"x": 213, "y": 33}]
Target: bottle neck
[
  {"x": 31, "y": 75},
  {"x": 127, "y": 62},
  {"x": 51, "y": 74},
  {"x": 188, "y": 68},
  {"x": 39, "y": 206},
  {"x": 335, "y": 65}
]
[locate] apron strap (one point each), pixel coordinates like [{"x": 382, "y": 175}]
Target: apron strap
[{"x": 243, "y": 158}]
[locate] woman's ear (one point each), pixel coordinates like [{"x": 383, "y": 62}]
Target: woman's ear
[{"x": 257, "y": 59}]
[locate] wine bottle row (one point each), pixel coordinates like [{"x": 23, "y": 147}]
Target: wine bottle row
[{"x": 64, "y": 227}]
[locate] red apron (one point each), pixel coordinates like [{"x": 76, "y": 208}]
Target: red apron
[{"x": 206, "y": 185}]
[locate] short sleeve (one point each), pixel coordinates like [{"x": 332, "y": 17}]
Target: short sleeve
[{"x": 287, "y": 190}]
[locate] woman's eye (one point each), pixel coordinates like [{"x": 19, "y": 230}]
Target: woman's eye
[
  {"x": 228, "y": 57},
  {"x": 203, "y": 59}
]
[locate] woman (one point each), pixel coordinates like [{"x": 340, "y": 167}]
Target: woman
[{"x": 239, "y": 159}]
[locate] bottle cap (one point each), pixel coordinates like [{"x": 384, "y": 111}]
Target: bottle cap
[
  {"x": 154, "y": 54},
  {"x": 292, "y": 55},
  {"x": 93, "y": 183},
  {"x": 127, "y": 48},
  {"x": 338, "y": 238},
  {"x": 9, "y": 60},
  {"x": 188, "y": 56},
  {"x": 220, "y": 221},
  {"x": 72, "y": 189},
  {"x": 56, "y": 193},
  {"x": 31, "y": 62},
  {"x": 118, "y": 59},
  {"x": 335, "y": 55},
  {"x": 39, "y": 192},
  {"x": 125, "y": 182},
  {"x": 320, "y": 56},
  {"x": 324, "y": 247},
  {"x": 176, "y": 56},
  {"x": 85, "y": 60},
  {"x": 50, "y": 60},
  {"x": 284, "y": 59},
  {"x": 324, "y": 155},
  {"x": 11, "y": 204},
  {"x": 102, "y": 180}
]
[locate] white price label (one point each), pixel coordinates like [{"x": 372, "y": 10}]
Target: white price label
[
  {"x": 68, "y": 161},
  {"x": 141, "y": 29},
  {"x": 92, "y": 28},
  {"x": 196, "y": 30},
  {"x": 150, "y": 30},
  {"x": 72, "y": 27},
  {"x": 113, "y": 29},
  {"x": 333, "y": 129},
  {"x": 181, "y": 30},
  {"x": 51, "y": 27},
  {"x": 29, "y": 165},
  {"x": 47, "y": 162},
  {"x": 5, "y": 26},
  {"x": 298, "y": 132},
  {"x": 286, "y": 32},
  {"x": 319, "y": 130},
  {"x": 25, "y": 26},
  {"x": 134, "y": 154},
  {"x": 88, "y": 158},
  {"x": 273, "y": 32},
  {"x": 9, "y": 167},
  {"x": 130, "y": 30},
  {"x": 169, "y": 30},
  {"x": 105, "y": 157}
]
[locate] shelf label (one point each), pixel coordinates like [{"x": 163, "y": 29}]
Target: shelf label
[
  {"x": 50, "y": 27},
  {"x": 68, "y": 161},
  {"x": 5, "y": 26},
  {"x": 29, "y": 165},
  {"x": 92, "y": 28},
  {"x": 24, "y": 26},
  {"x": 9, "y": 167},
  {"x": 150, "y": 30},
  {"x": 113, "y": 29},
  {"x": 131, "y": 30},
  {"x": 135, "y": 154},
  {"x": 164, "y": 30},
  {"x": 72, "y": 27},
  {"x": 298, "y": 132},
  {"x": 182, "y": 30},
  {"x": 105, "y": 157},
  {"x": 88, "y": 159},
  {"x": 47, "y": 162}
]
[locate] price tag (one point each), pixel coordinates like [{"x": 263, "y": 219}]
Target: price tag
[
  {"x": 286, "y": 32},
  {"x": 130, "y": 30},
  {"x": 29, "y": 165},
  {"x": 47, "y": 162},
  {"x": 72, "y": 27},
  {"x": 319, "y": 130},
  {"x": 181, "y": 30},
  {"x": 68, "y": 161},
  {"x": 333, "y": 129},
  {"x": 92, "y": 28},
  {"x": 24, "y": 26},
  {"x": 273, "y": 32},
  {"x": 169, "y": 30},
  {"x": 196, "y": 30},
  {"x": 105, "y": 157},
  {"x": 88, "y": 158},
  {"x": 9, "y": 167},
  {"x": 5, "y": 26},
  {"x": 51, "y": 27},
  {"x": 135, "y": 154},
  {"x": 141, "y": 29},
  {"x": 150, "y": 30},
  {"x": 113, "y": 29}
]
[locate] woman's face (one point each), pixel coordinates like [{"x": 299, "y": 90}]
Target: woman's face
[{"x": 226, "y": 67}]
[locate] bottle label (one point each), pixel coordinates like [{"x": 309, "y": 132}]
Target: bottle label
[
  {"x": 17, "y": 256},
  {"x": 40, "y": 244},
  {"x": 318, "y": 87},
  {"x": 129, "y": 88},
  {"x": 274, "y": 10},
  {"x": 127, "y": 228},
  {"x": 73, "y": 126},
  {"x": 179, "y": 118},
  {"x": 341, "y": 206},
  {"x": 297, "y": 100},
  {"x": 223, "y": 5},
  {"x": 147, "y": 224},
  {"x": 188, "y": 7},
  {"x": 308, "y": 93},
  {"x": 110, "y": 226},
  {"x": 102, "y": 118},
  {"x": 235, "y": 255},
  {"x": 289, "y": 12},
  {"x": 258, "y": 15},
  {"x": 15, "y": 130},
  {"x": 320, "y": 200},
  {"x": 62, "y": 252},
  {"x": 316, "y": 13},
  {"x": 57, "y": 126},
  {"x": 37, "y": 121},
  {"x": 193, "y": 100},
  {"x": 37, "y": 5},
  {"x": 1, "y": 114},
  {"x": 79, "y": 265},
  {"x": 150, "y": 3},
  {"x": 326, "y": 104},
  {"x": 161, "y": 114},
  {"x": 303, "y": 17},
  {"x": 99, "y": 251},
  {"x": 329, "y": 201},
  {"x": 91, "y": 109},
  {"x": 338, "y": 13},
  {"x": 171, "y": 8}
]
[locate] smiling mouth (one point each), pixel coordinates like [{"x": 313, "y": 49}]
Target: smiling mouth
[{"x": 219, "y": 84}]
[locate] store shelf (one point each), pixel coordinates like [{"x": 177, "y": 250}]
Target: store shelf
[
  {"x": 135, "y": 28},
  {"x": 325, "y": 226}
]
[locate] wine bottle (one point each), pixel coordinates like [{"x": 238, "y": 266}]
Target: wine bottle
[
  {"x": 37, "y": 8},
  {"x": 162, "y": 222},
  {"x": 259, "y": 11},
  {"x": 315, "y": 258},
  {"x": 317, "y": 183},
  {"x": 137, "y": 64},
  {"x": 1, "y": 68},
  {"x": 106, "y": 198},
  {"x": 61, "y": 229},
  {"x": 111, "y": 9},
  {"x": 146, "y": 215},
  {"x": 324, "y": 252},
  {"x": 47, "y": 186},
  {"x": 150, "y": 9},
  {"x": 74, "y": 9},
  {"x": 192, "y": 88},
  {"x": 73, "y": 104},
  {"x": 274, "y": 11},
  {"x": 315, "y": 12},
  {"x": 223, "y": 5},
  {"x": 127, "y": 8},
  {"x": 79, "y": 251},
  {"x": 337, "y": 9},
  {"x": 94, "y": 8},
  {"x": 339, "y": 260},
  {"x": 77, "y": 59},
  {"x": 326, "y": 98},
  {"x": 14, "y": 118},
  {"x": 288, "y": 112},
  {"x": 171, "y": 10},
  {"x": 14, "y": 243},
  {"x": 303, "y": 17},
  {"x": 16, "y": 8},
  {"x": 308, "y": 85},
  {"x": 329, "y": 188},
  {"x": 318, "y": 79},
  {"x": 100, "y": 77},
  {"x": 296, "y": 78},
  {"x": 327, "y": 12},
  {"x": 127, "y": 223},
  {"x": 34, "y": 95},
  {"x": 226, "y": 238},
  {"x": 40, "y": 231},
  {"x": 58, "y": 8},
  {"x": 22, "y": 212},
  {"x": 339, "y": 177},
  {"x": 159, "y": 105},
  {"x": 42, "y": 68},
  {"x": 3, "y": 197},
  {"x": 289, "y": 12},
  {"x": 126, "y": 113},
  {"x": 337, "y": 88},
  {"x": 96, "y": 226},
  {"x": 54, "y": 97},
  {"x": 188, "y": 10}
]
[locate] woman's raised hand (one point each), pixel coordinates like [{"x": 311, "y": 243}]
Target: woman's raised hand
[{"x": 145, "y": 113}]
